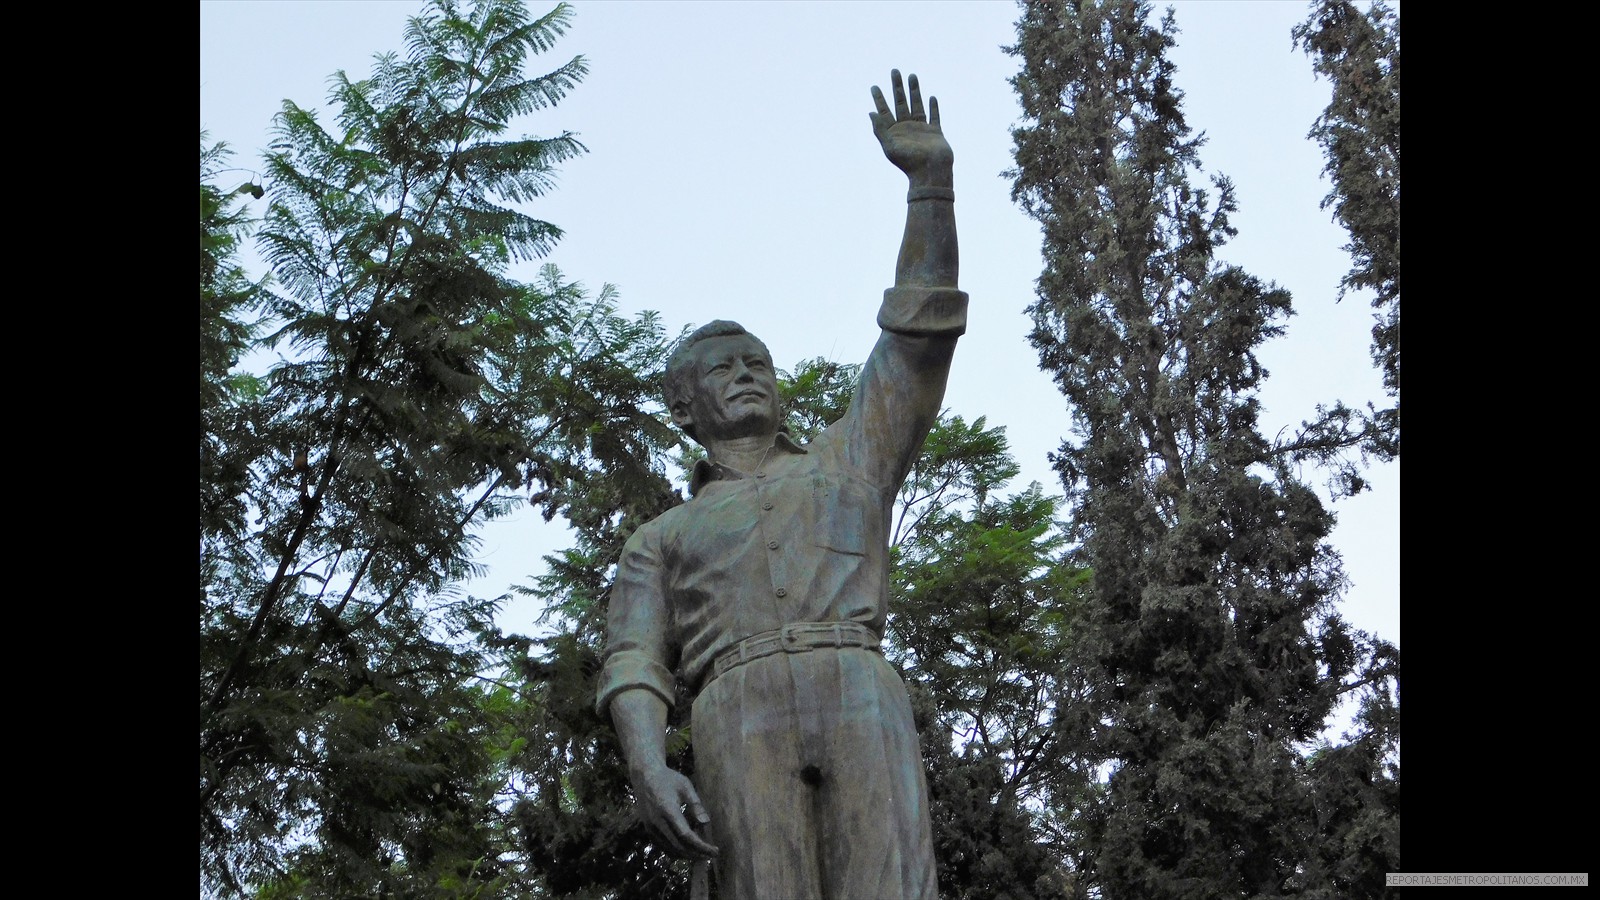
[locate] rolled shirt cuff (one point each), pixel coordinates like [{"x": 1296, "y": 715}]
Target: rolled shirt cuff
[
  {"x": 924, "y": 311},
  {"x": 626, "y": 670}
]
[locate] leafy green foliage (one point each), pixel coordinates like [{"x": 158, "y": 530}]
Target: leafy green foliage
[
  {"x": 986, "y": 608},
  {"x": 1360, "y": 133},
  {"x": 1211, "y": 654},
  {"x": 1356, "y": 784},
  {"x": 571, "y": 800},
  {"x": 817, "y": 395},
  {"x": 228, "y": 299},
  {"x": 959, "y": 467},
  {"x": 351, "y": 743}
]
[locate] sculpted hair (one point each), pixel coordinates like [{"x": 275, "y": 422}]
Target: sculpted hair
[{"x": 678, "y": 384}]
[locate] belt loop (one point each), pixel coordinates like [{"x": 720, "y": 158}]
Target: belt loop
[{"x": 790, "y": 638}]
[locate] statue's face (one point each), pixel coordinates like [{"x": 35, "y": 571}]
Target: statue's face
[{"x": 735, "y": 390}]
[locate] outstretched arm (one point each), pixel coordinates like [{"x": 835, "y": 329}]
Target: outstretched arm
[
  {"x": 913, "y": 141},
  {"x": 902, "y": 383}
]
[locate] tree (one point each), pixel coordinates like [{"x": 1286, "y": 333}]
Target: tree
[
  {"x": 986, "y": 613},
  {"x": 226, "y": 296},
  {"x": 1360, "y": 133},
  {"x": 353, "y": 740},
  {"x": 1356, "y": 784},
  {"x": 1209, "y": 640}
]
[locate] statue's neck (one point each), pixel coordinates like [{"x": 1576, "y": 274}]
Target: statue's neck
[{"x": 744, "y": 454}]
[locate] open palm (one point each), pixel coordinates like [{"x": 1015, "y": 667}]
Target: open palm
[{"x": 910, "y": 136}]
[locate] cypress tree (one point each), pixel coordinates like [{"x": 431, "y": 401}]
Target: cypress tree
[
  {"x": 1213, "y": 652},
  {"x": 1360, "y": 134}
]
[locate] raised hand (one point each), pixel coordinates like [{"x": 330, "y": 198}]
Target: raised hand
[{"x": 911, "y": 138}]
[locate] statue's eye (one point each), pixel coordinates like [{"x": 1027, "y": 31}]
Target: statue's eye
[{"x": 719, "y": 368}]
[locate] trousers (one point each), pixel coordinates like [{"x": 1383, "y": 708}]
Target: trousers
[{"x": 809, "y": 768}]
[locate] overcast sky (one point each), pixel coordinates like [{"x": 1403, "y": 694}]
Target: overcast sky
[{"x": 733, "y": 173}]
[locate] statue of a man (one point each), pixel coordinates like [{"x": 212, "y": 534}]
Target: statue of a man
[{"x": 767, "y": 592}]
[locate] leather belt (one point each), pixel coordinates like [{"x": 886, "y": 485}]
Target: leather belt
[{"x": 796, "y": 637}]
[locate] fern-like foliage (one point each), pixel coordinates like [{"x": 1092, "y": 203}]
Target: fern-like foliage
[{"x": 349, "y": 745}]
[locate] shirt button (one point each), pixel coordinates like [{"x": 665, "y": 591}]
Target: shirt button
[
  {"x": 781, "y": 592},
  {"x": 772, "y": 545},
  {"x": 766, "y": 505}
]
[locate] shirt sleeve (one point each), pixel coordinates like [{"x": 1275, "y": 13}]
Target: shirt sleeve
[
  {"x": 924, "y": 311},
  {"x": 902, "y": 383},
  {"x": 638, "y": 653}
]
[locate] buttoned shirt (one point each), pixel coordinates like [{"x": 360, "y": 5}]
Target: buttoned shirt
[{"x": 804, "y": 538}]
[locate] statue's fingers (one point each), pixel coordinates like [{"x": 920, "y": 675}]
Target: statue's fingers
[
  {"x": 662, "y": 825},
  {"x": 881, "y": 122},
  {"x": 916, "y": 100},
  {"x": 883, "y": 105},
  {"x": 933, "y": 111},
  {"x": 691, "y": 799},
  {"x": 686, "y": 842},
  {"x": 697, "y": 812},
  {"x": 702, "y": 848},
  {"x": 672, "y": 829},
  {"x": 901, "y": 110},
  {"x": 683, "y": 836}
]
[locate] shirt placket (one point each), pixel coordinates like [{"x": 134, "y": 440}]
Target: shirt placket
[{"x": 773, "y": 534}]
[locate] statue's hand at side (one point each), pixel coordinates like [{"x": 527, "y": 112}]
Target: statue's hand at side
[
  {"x": 911, "y": 138},
  {"x": 662, "y": 794}
]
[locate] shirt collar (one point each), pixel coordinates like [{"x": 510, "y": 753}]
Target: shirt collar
[{"x": 705, "y": 470}]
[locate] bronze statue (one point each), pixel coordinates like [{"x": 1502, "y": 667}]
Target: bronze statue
[{"x": 766, "y": 593}]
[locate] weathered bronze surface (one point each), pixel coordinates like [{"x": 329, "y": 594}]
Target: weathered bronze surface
[{"x": 767, "y": 592}]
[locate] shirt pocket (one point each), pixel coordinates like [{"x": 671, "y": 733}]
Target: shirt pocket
[{"x": 841, "y": 511}]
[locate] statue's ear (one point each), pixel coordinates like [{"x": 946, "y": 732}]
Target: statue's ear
[{"x": 681, "y": 416}]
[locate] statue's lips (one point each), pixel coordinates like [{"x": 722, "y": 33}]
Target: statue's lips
[{"x": 754, "y": 395}]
